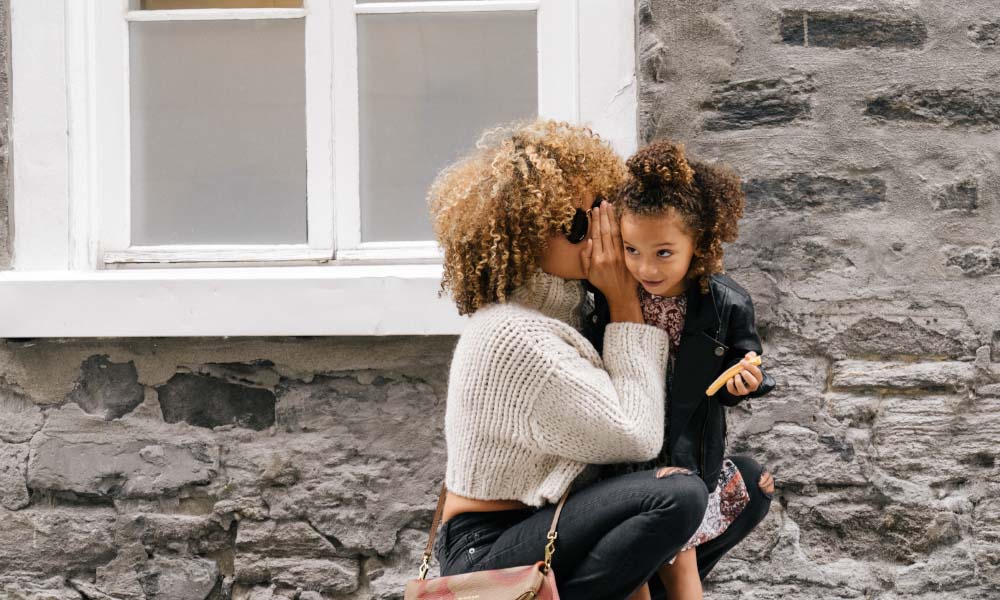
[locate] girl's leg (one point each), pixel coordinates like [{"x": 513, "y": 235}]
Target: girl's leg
[
  {"x": 613, "y": 535},
  {"x": 680, "y": 579},
  {"x": 641, "y": 594},
  {"x": 711, "y": 551}
]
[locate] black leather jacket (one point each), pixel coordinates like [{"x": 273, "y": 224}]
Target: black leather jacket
[{"x": 718, "y": 331}]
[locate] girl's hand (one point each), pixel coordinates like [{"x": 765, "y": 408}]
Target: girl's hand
[
  {"x": 747, "y": 380},
  {"x": 604, "y": 265}
]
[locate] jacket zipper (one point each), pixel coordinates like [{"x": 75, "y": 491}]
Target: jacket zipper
[
  {"x": 708, "y": 409},
  {"x": 704, "y": 434}
]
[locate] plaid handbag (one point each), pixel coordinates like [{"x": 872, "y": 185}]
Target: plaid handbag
[{"x": 530, "y": 582}]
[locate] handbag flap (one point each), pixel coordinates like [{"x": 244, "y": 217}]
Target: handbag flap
[{"x": 515, "y": 583}]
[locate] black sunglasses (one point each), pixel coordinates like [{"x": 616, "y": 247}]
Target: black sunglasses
[{"x": 580, "y": 225}]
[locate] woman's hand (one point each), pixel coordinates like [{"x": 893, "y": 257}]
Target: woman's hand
[
  {"x": 665, "y": 471},
  {"x": 604, "y": 265},
  {"x": 746, "y": 381}
]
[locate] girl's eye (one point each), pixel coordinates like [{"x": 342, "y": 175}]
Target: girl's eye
[
  {"x": 631, "y": 250},
  {"x": 664, "y": 253}
]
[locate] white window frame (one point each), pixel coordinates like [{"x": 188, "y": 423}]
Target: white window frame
[
  {"x": 110, "y": 99},
  {"x": 71, "y": 183}
]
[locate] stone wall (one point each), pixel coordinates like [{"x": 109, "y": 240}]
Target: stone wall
[
  {"x": 868, "y": 136},
  {"x": 188, "y": 469}
]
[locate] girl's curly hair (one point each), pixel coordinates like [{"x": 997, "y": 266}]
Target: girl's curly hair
[
  {"x": 494, "y": 210},
  {"x": 707, "y": 197}
]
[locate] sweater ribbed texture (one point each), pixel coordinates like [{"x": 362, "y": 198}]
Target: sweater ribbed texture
[{"x": 531, "y": 403}]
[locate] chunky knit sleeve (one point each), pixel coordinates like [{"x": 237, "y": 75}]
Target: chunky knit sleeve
[{"x": 591, "y": 414}]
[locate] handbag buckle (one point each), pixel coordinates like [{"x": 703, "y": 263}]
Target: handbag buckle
[
  {"x": 550, "y": 549},
  {"x": 425, "y": 566}
]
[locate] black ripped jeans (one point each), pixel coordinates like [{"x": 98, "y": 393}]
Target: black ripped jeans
[{"x": 613, "y": 535}]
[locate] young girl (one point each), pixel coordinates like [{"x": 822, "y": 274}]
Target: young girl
[{"x": 675, "y": 216}]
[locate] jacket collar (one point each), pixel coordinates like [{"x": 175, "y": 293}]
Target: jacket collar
[{"x": 702, "y": 309}]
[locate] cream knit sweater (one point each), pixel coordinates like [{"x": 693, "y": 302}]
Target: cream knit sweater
[{"x": 531, "y": 403}]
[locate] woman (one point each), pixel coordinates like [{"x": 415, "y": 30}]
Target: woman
[{"x": 530, "y": 401}]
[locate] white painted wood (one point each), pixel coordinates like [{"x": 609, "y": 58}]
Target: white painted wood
[
  {"x": 110, "y": 72},
  {"x": 400, "y": 252},
  {"x": 608, "y": 85},
  {"x": 587, "y": 71},
  {"x": 112, "y": 34},
  {"x": 215, "y": 14},
  {"x": 195, "y": 253},
  {"x": 39, "y": 144},
  {"x": 339, "y": 300},
  {"x": 346, "y": 127},
  {"x": 558, "y": 60},
  {"x": 375, "y": 8},
  {"x": 319, "y": 127},
  {"x": 80, "y": 58}
]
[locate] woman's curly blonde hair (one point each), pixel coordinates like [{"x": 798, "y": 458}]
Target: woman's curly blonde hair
[{"x": 494, "y": 210}]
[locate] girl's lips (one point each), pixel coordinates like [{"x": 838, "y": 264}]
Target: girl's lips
[{"x": 652, "y": 283}]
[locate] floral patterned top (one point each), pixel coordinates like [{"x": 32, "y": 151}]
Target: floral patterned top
[
  {"x": 667, "y": 313},
  {"x": 730, "y": 496}
]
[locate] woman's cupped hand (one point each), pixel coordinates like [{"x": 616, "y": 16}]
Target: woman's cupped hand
[{"x": 604, "y": 265}]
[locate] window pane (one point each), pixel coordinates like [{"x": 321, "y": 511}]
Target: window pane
[
  {"x": 218, "y": 132},
  {"x": 178, "y": 4},
  {"x": 429, "y": 85}
]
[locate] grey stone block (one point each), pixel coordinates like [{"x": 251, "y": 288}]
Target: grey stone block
[
  {"x": 42, "y": 542},
  {"x": 758, "y": 103},
  {"x": 802, "y": 191},
  {"x": 292, "y": 554},
  {"x": 929, "y": 376},
  {"x": 87, "y": 455},
  {"x": 818, "y": 459},
  {"x": 25, "y": 588},
  {"x": 852, "y": 29},
  {"x": 958, "y": 107},
  {"x": 13, "y": 473},
  {"x": 985, "y": 34},
  {"x": 108, "y": 389},
  {"x": 936, "y": 440},
  {"x": 211, "y": 402},
  {"x": 974, "y": 261},
  {"x": 184, "y": 534},
  {"x": 176, "y": 578},
  {"x": 962, "y": 196},
  {"x": 387, "y": 576},
  {"x": 900, "y": 337},
  {"x": 21, "y": 418}
]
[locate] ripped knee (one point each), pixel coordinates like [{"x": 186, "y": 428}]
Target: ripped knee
[{"x": 766, "y": 484}]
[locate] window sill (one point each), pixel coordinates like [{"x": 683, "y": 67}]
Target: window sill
[{"x": 249, "y": 301}]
